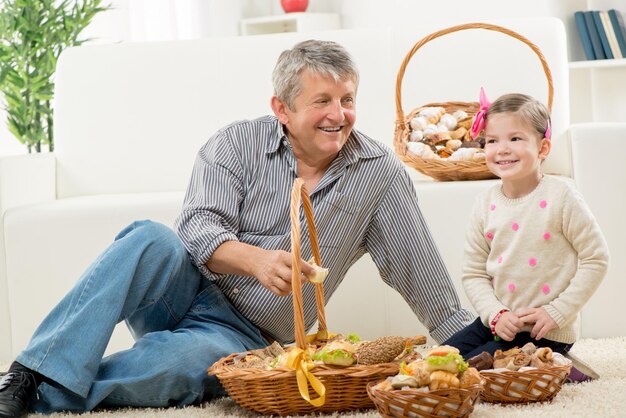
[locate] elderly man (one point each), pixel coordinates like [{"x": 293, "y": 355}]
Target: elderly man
[{"x": 218, "y": 285}]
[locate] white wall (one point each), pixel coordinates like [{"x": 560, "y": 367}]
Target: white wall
[
  {"x": 405, "y": 13},
  {"x": 159, "y": 20},
  {"x": 8, "y": 144},
  {"x": 155, "y": 20}
]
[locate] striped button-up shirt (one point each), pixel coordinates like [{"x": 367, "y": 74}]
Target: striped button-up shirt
[{"x": 240, "y": 191}]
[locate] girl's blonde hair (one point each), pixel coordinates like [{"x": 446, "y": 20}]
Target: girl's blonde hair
[{"x": 527, "y": 107}]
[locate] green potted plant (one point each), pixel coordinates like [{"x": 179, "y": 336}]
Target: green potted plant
[{"x": 33, "y": 33}]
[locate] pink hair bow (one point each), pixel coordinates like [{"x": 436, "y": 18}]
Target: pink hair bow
[
  {"x": 548, "y": 134},
  {"x": 479, "y": 120}
]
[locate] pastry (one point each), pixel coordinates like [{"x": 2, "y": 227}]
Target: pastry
[
  {"x": 445, "y": 358},
  {"x": 320, "y": 272},
  {"x": 544, "y": 354},
  {"x": 518, "y": 361},
  {"x": 481, "y": 361},
  {"x": 441, "y": 379},
  {"x": 336, "y": 353},
  {"x": 458, "y": 133},
  {"x": 417, "y": 369},
  {"x": 470, "y": 377},
  {"x": 400, "y": 381}
]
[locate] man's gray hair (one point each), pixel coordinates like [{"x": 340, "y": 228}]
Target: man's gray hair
[{"x": 325, "y": 58}]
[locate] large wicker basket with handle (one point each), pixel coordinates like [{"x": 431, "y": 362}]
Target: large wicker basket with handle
[
  {"x": 286, "y": 391},
  {"x": 444, "y": 169}
]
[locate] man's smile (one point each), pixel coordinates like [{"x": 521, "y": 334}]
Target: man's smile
[{"x": 330, "y": 128}]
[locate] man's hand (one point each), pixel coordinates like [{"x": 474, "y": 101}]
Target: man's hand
[
  {"x": 274, "y": 272},
  {"x": 508, "y": 326},
  {"x": 543, "y": 322},
  {"x": 271, "y": 267}
]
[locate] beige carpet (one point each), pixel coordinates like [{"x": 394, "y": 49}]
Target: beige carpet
[{"x": 600, "y": 398}]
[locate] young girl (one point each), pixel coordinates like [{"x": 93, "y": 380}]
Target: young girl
[{"x": 534, "y": 252}]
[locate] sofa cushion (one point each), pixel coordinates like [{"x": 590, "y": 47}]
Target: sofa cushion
[{"x": 131, "y": 117}]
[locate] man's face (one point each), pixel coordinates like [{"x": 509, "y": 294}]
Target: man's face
[{"x": 322, "y": 116}]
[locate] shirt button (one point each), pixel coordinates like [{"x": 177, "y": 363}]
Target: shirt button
[{"x": 235, "y": 291}]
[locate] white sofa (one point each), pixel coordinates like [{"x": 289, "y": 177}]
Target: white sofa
[{"x": 130, "y": 118}]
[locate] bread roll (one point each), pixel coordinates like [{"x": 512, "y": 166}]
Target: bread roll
[
  {"x": 440, "y": 379},
  {"x": 470, "y": 377}
]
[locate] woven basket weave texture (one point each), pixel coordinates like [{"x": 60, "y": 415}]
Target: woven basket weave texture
[
  {"x": 409, "y": 403},
  {"x": 536, "y": 385}
]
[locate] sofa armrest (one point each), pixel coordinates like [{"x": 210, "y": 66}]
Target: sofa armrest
[
  {"x": 599, "y": 172},
  {"x": 26, "y": 179}
]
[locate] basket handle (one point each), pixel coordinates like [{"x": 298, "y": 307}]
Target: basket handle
[
  {"x": 299, "y": 191},
  {"x": 546, "y": 69}
]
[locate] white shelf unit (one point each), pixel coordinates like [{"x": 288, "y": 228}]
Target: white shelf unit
[
  {"x": 290, "y": 22},
  {"x": 597, "y": 87},
  {"x": 598, "y": 91}
]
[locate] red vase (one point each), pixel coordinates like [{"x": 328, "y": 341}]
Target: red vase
[{"x": 290, "y": 6}]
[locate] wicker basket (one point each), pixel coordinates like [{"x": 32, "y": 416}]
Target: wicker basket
[
  {"x": 441, "y": 169},
  {"x": 535, "y": 385},
  {"x": 276, "y": 391},
  {"x": 456, "y": 403}
]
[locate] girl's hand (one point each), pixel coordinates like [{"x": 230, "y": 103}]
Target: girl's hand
[
  {"x": 542, "y": 320},
  {"x": 508, "y": 326}
]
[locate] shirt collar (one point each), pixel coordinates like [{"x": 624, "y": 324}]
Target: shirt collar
[
  {"x": 277, "y": 135},
  {"x": 358, "y": 146}
]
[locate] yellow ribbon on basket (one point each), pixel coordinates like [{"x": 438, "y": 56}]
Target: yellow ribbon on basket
[{"x": 298, "y": 361}]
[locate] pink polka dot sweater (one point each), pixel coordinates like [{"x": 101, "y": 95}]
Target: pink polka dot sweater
[{"x": 544, "y": 249}]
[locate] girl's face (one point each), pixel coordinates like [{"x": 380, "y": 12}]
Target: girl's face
[{"x": 514, "y": 152}]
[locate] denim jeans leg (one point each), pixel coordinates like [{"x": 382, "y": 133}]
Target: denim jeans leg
[
  {"x": 146, "y": 267},
  {"x": 166, "y": 368}
]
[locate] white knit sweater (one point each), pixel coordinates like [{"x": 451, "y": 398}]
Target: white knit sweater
[{"x": 544, "y": 249}]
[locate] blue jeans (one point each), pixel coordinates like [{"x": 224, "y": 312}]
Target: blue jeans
[
  {"x": 181, "y": 322},
  {"x": 476, "y": 338}
]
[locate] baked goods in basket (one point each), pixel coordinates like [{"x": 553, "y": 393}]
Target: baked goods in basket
[
  {"x": 440, "y": 384},
  {"x": 427, "y": 138},
  {"x": 268, "y": 380},
  {"x": 436, "y": 134},
  {"x": 441, "y": 368},
  {"x": 524, "y": 374},
  {"x": 339, "y": 351}
]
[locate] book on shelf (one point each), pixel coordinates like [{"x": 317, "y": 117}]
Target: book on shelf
[
  {"x": 610, "y": 33},
  {"x": 593, "y": 35},
  {"x": 618, "y": 27},
  {"x": 583, "y": 33},
  {"x": 604, "y": 40}
]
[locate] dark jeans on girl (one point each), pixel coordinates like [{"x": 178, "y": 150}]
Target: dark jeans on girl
[{"x": 476, "y": 338}]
